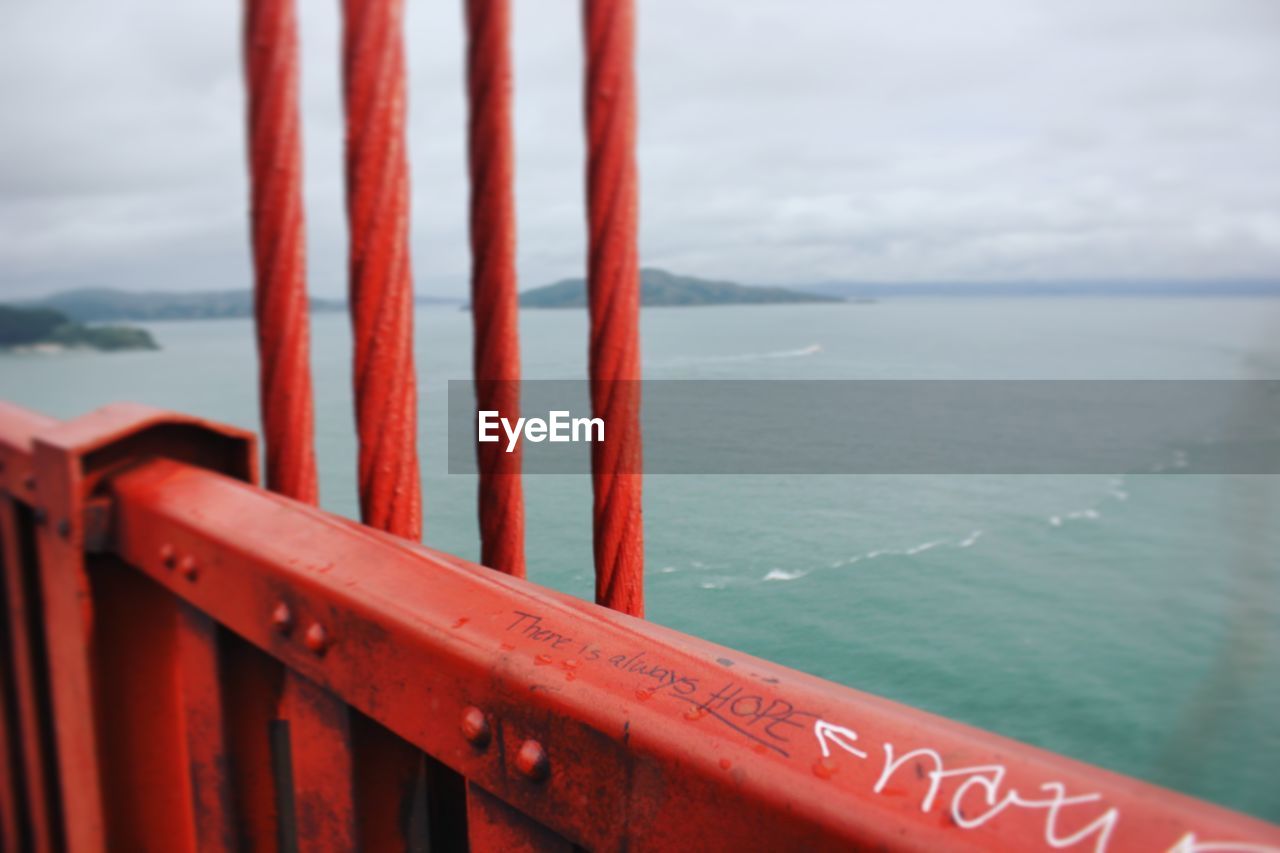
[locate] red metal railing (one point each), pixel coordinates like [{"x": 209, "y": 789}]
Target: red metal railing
[
  {"x": 149, "y": 585},
  {"x": 191, "y": 662}
]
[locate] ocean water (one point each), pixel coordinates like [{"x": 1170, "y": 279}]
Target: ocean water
[{"x": 1129, "y": 621}]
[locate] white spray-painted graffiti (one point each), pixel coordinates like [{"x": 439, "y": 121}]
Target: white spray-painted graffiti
[
  {"x": 971, "y": 796},
  {"x": 989, "y": 780}
]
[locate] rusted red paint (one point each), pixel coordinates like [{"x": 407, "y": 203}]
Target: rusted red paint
[
  {"x": 18, "y": 426},
  {"x": 475, "y": 727},
  {"x": 252, "y": 686},
  {"x": 147, "y": 667},
  {"x": 495, "y": 827},
  {"x": 204, "y": 747},
  {"x": 613, "y": 297},
  {"x": 322, "y": 762},
  {"x": 84, "y": 639},
  {"x": 532, "y": 762},
  {"x": 494, "y": 302},
  {"x": 11, "y": 781},
  {"x": 321, "y": 754},
  {"x": 68, "y": 619},
  {"x": 26, "y": 642}
]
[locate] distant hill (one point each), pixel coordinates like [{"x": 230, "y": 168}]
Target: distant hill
[
  {"x": 661, "y": 288},
  {"x": 37, "y": 328},
  {"x": 1132, "y": 288},
  {"x": 98, "y": 304},
  {"x": 94, "y": 305}
]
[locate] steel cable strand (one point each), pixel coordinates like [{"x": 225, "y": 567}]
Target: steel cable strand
[
  {"x": 614, "y": 302},
  {"x": 494, "y": 301},
  {"x": 381, "y": 290},
  {"x": 279, "y": 250}
]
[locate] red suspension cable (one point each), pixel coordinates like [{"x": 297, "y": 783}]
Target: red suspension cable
[
  {"x": 381, "y": 297},
  {"x": 280, "y": 307},
  {"x": 494, "y": 303},
  {"x": 279, "y": 249},
  {"x": 381, "y": 288},
  {"x": 613, "y": 294}
]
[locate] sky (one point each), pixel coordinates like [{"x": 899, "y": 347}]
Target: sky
[{"x": 781, "y": 141}]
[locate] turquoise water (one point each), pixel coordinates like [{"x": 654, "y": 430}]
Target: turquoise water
[{"x": 1133, "y": 622}]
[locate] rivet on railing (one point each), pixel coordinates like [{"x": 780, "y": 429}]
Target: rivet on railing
[
  {"x": 317, "y": 638},
  {"x": 532, "y": 761},
  {"x": 64, "y": 528},
  {"x": 282, "y": 618},
  {"x": 475, "y": 727},
  {"x": 30, "y": 483},
  {"x": 168, "y": 556},
  {"x": 190, "y": 569}
]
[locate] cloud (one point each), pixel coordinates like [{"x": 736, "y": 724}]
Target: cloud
[{"x": 779, "y": 142}]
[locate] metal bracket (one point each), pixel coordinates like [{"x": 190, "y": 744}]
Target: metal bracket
[{"x": 70, "y": 465}]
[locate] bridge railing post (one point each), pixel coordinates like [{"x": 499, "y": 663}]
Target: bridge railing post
[{"x": 104, "y": 633}]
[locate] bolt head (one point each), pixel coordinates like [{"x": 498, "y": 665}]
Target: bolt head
[
  {"x": 317, "y": 638},
  {"x": 475, "y": 727},
  {"x": 168, "y": 556},
  {"x": 532, "y": 761},
  {"x": 189, "y": 567},
  {"x": 64, "y": 528},
  {"x": 282, "y": 618}
]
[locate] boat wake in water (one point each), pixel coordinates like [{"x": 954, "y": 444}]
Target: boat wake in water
[
  {"x": 800, "y": 352},
  {"x": 778, "y": 574}
]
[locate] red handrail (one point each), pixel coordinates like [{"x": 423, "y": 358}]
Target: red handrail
[{"x": 576, "y": 723}]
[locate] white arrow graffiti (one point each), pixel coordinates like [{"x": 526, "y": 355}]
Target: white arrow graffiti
[{"x": 829, "y": 733}]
